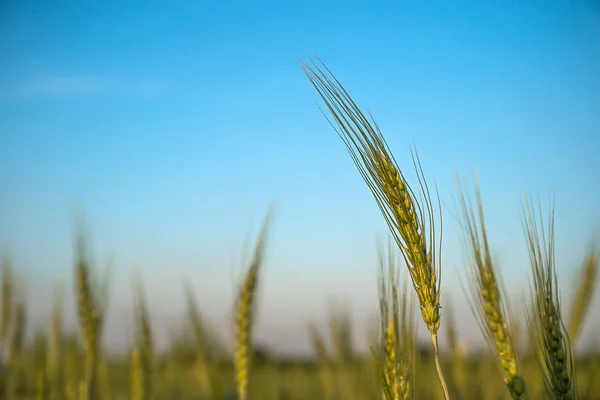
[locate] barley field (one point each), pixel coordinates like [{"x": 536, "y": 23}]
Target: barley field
[{"x": 530, "y": 353}]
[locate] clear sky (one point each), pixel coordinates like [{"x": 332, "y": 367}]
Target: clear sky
[{"x": 175, "y": 125}]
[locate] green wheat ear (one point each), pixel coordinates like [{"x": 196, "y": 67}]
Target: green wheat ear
[
  {"x": 245, "y": 314},
  {"x": 545, "y": 318},
  {"x": 411, "y": 222}
]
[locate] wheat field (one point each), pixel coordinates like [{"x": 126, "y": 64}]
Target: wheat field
[{"x": 56, "y": 365}]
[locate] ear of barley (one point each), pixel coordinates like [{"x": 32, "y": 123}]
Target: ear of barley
[
  {"x": 488, "y": 297},
  {"x": 586, "y": 287},
  {"x": 554, "y": 353},
  {"x": 245, "y": 314},
  {"x": 411, "y": 223}
]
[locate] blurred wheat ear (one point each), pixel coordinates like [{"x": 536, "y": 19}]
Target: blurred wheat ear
[
  {"x": 411, "y": 222},
  {"x": 91, "y": 302},
  {"x": 488, "y": 296},
  {"x": 142, "y": 355},
  {"x": 397, "y": 344},
  {"x": 545, "y": 318},
  {"x": 245, "y": 306}
]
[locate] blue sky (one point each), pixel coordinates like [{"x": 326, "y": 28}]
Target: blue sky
[{"x": 175, "y": 125}]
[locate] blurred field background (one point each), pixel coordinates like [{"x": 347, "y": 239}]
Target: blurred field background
[{"x": 173, "y": 128}]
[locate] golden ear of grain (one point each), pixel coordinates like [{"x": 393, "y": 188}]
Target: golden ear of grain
[
  {"x": 411, "y": 222},
  {"x": 555, "y": 353},
  {"x": 245, "y": 313},
  {"x": 488, "y": 298}
]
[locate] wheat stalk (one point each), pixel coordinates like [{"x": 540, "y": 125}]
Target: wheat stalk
[
  {"x": 245, "y": 314},
  {"x": 410, "y": 222},
  {"x": 488, "y": 297},
  {"x": 554, "y": 352}
]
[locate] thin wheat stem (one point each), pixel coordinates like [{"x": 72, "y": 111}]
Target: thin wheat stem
[{"x": 438, "y": 365}]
